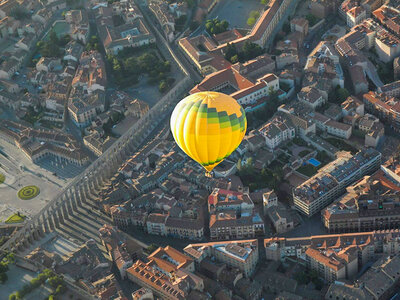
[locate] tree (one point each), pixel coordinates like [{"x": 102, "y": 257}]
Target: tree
[
  {"x": 152, "y": 248},
  {"x": 193, "y": 25},
  {"x": 265, "y": 2},
  {"x": 179, "y": 22},
  {"x": 234, "y": 59},
  {"x": 251, "y": 21},
  {"x": 342, "y": 94},
  {"x": 255, "y": 14},
  {"x": 20, "y": 13},
  {"x": 190, "y": 3},
  {"x": 3, "y": 277},
  {"x": 216, "y": 26},
  {"x": 312, "y": 19},
  {"x": 251, "y": 50},
  {"x": 163, "y": 86},
  {"x": 3, "y": 267},
  {"x": 60, "y": 289},
  {"x": 230, "y": 51}
]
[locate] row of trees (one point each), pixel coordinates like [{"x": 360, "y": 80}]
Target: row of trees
[
  {"x": 126, "y": 71},
  {"x": 55, "y": 281},
  {"x": 249, "y": 51}
]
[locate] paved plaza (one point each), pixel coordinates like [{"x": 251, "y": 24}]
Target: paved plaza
[{"x": 20, "y": 172}]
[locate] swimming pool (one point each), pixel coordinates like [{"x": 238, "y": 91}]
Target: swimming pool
[{"x": 314, "y": 162}]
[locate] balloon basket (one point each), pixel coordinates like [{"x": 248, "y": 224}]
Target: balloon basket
[{"x": 208, "y": 174}]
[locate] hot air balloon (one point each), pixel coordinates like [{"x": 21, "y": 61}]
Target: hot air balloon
[{"x": 208, "y": 127}]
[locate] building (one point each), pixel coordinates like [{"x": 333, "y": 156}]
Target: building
[
  {"x": 255, "y": 68},
  {"x": 232, "y": 215},
  {"x": 247, "y": 92},
  {"x": 281, "y": 218},
  {"x": 98, "y": 144},
  {"x": 355, "y": 16},
  {"x": 311, "y": 96},
  {"x": 156, "y": 224},
  {"x": 121, "y": 249},
  {"x": 198, "y": 50},
  {"x": 300, "y": 25},
  {"x": 278, "y": 130},
  {"x": 391, "y": 89},
  {"x": 389, "y": 17},
  {"x": 387, "y": 45},
  {"x": 330, "y": 182},
  {"x": 321, "y": 8},
  {"x": 378, "y": 282},
  {"x": 369, "y": 204},
  {"x": 129, "y": 35},
  {"x": 39, "y": 143},
  {"x": 228, "y": 225},
  {"x": 338, "y": 129},
  {"x": 84, "y": 108},
  {"x": 168, "y": 273},
  {"x": 358, "y": 79},
  {"x": 351, "y": 106},
  {"x": 333, "y": 257},
  {"x": 396, "y": 68},
  {"x": 208, "y": 56},
  {"x": 386, "y": 108},
  {"x": 241, "y": 254},
  {"x": 323, "y": 71},
  {"x": 270, "y": 199},
  {"x": 333, "y": 265}
]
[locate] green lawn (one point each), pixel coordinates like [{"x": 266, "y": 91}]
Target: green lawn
[
  {"x": 28, "y": 192},
  {"x": 304, "y": 153},
  {"x": 2, "y": 177},
  {"x": 15, "y": 218},
  {"x": 308, "y": 170},
  {"x": 342, "y": 145}
]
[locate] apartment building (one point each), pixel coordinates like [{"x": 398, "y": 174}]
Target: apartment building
[
  {"x": 337, "y": 256},
  {"x": 372, "y": 203},
  {"x": 330, "y": 182},
  {"x": 278, "y": 130},
  {"x": 241, "y": 254},
  {"x": 311, "y": 97},
  {"x": 232, "y": 215},
  {"x": 168, "y": 273},
  {"x": 333, "y": 265},
  {"x": 378, "y": 282},
  {"x": 385, "y": 107},
  {"x": 391, "y": 89},
  {"x": 355, "y": 16}
]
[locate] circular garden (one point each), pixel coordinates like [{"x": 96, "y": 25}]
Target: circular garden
[
  {"x": 2, "y": 178},
  {"x": 28, "y": 192}
]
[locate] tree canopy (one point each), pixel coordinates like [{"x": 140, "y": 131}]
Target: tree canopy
[{"x": 215, "y": 26}]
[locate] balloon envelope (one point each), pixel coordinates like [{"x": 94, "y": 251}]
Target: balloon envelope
[{"x": 208, "y": 127}]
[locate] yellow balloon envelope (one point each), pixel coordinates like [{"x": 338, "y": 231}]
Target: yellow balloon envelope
[{"x": 208, "y": 127}]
